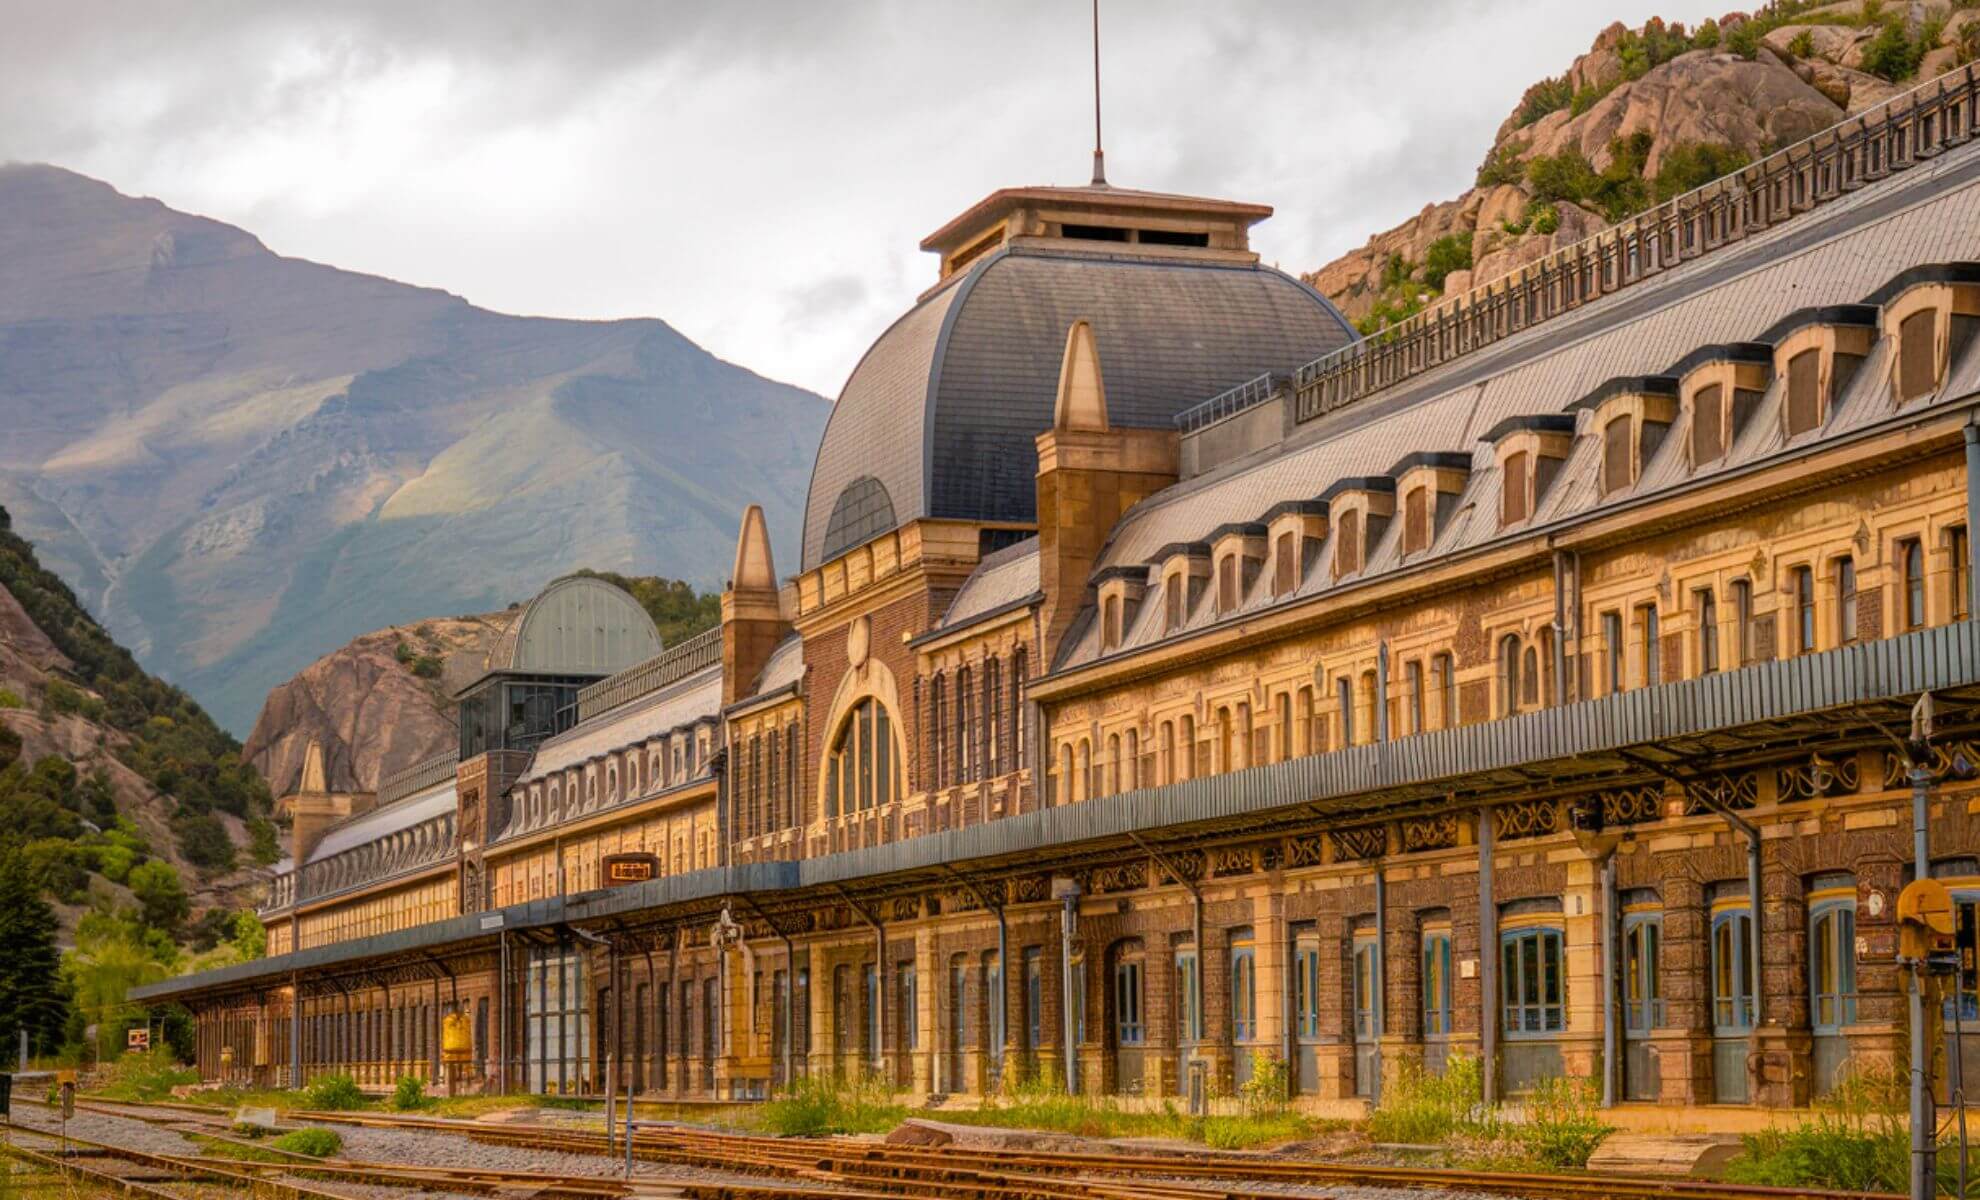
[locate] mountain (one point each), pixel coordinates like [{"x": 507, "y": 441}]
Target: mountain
[
  {"x": 1645, "y": 115},
  {"x": 385, "y": 700},
  {"x": 104, "y": 767},
  {"x": 242, "y": 461}
]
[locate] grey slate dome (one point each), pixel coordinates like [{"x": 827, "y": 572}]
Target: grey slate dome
[{"x": 939, "y": 419}]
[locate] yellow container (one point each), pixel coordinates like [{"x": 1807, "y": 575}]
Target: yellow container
[{"x": 456, "y": 1039}]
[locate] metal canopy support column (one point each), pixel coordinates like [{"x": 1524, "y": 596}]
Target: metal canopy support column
[
  {"x": 502, "y": 1015},
  {"x": 295, "y": 1031},
  {"x": 1972, "y": 523},
  {"x": 1381, "y": 997},
  {"x": 1488, "y": 958}
]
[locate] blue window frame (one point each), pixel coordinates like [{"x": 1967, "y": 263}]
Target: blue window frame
[
  {"x": 1643, "y": 985},
  {"x": 1533, "y": 982},
  {"x": 1244, "y": 988},
  {"x": 1306, "y": 986},
  {"x": 1367, "y": 989},
  {"x": 1189, "y": 1014},
  {"x": 1436, "y": 984},
  {"x": 1129, "y": 1030},
  {"x": 1832, "y": 964},
  {"x": 1732, "y": 972}
]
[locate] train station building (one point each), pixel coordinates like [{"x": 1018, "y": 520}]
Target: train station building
[{"x": 1173, "y": 681}]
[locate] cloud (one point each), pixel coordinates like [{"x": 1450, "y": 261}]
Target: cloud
[{"x": 757, "y": 174}]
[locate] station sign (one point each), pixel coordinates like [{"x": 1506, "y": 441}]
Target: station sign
[
  {"x": 622, "y": 869},
  {"x": 138, "y": 1039}
]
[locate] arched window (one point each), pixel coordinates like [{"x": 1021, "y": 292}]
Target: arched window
[
  {"x": 993, "y": 714},
  {"x": 1168, "y": 752},
  {"x": 1918, "y": 357},
  {"x": 796, "y": 816},
  {"x": 965, "y": 725},
  {"x": 1018, "y": 724},
  {"x": 774, "y": 778},
  {"x": 1509, "y": 674},
  {"x": 862, "y": 771},
  {"x": 1133, "y": 759},
  {"x": 1067, "y": 789},
  {"x": 1529, "y": 680},
  {"x": 1186, "y": 748},
  {"x": 1285, "y": 726},
  {"x": 1113, "y": 763},
  {"x": 1083, "y": 788},
  {"x": 1224, "y": 738},
  {"x": 939, "y": 726}
]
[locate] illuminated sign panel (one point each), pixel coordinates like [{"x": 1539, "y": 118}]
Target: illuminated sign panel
[{"x": 622, "y": 869}]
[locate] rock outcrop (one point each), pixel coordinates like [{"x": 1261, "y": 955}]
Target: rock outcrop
[
  {"x": 378, "y": 704},
  {"x": 1643, "y": 114}
]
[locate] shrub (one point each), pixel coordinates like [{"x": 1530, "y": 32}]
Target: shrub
[
  {"x": 204, "y": 841},
  {"x": 410, "y": 1094},
  {"x": 317, "y": 1143},
  {"x": 1563, "y": 1125},
  {"x": 1502, "y": 165},
  {"x": 1856, "y": 1138},
  {"x": 1803, "y": 44},
  {"x": 162, "y": 897},
  {"x": 1567, "y": 175},
  {"x": 1893, "y": 54},
  {"x": 427, "y": 666},
  {"x": 1452, "y": 252},
  {"x": 1547, "y": 96},
  {"x": 333, "y": 1093},
  {"x": 1266, "y": 1093},
  {"x": 1419, "y": 1107},
  {"x": 1691, "y": 165},
  {"x": 1544, "y": 218},
  {"x": 11, "y": 699}
]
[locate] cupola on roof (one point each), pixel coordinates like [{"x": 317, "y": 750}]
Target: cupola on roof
[{"x": 940, "y": 418}]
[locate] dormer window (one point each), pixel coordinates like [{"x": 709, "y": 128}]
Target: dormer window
[
  {"x": 1227, "y": 583},
  {"x": 1917, "y": 371},
  {"x": 1110, "y": 623},
  {"x": 1804, "y": 392},
  {"x": 1618, "y": 454},
  {"x": 1708, "y": 424},
  {"x": 1416, "y": 520},
  {"x": 1347, "y": 543},
  {"x": 1173, "y": 612},
  {"x": 1816, "y": 353},
  {"x": 1515, "y": 491},
  {"x": 1285, "y": 563}
]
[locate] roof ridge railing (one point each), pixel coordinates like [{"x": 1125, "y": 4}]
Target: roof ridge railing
[
  {"x": 1903, "y": 131},
  {"x": 676, "y": 662},
  {"x": 1229, "y": 402},
  {"x": 416, "y": 776}
]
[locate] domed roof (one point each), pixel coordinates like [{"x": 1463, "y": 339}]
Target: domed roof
[
  {"x": 579, "y": 625},
  {"x": 941, "y": 417}
]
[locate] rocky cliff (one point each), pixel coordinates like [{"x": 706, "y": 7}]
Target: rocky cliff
[
  {"x": 241, "y": 461},
  {"x": 1647, "y": 114},
  {"x": 103, "y": 766}
]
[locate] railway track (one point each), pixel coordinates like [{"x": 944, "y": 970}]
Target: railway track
[{"x": 857, "y": 1167}]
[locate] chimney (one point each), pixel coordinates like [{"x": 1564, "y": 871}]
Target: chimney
[
  {"x": 1089, "y": 474},
  {"x": 752, "y": 612}
]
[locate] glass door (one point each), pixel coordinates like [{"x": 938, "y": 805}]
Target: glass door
[
  {"x": 1366, "y": 988},
  {"x": 1831, "y": 979},
  {"x": 1306, "y": 1010},
  {"x": 1643, "y": 1001},
  {"x": 1732, "y": 1003}
]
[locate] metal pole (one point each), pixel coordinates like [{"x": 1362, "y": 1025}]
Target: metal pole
[
  {"x": 1609, "y": 981},
  {"x": 1972, "y": 523},
  {"x": 1924, "y": 1118},
  {"x": 1067, "y": 918},
  {"x": 1488, "y": 960},
  {"x": 1381, "y": 996},
  {"x": 502, "y": 1017}
]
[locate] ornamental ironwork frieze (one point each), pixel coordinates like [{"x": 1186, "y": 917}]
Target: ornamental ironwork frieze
[
  {"x": 1359, "y": 842},
  {"x": 1528, "y": 818},
  {"x": 1632, "y": 806},
  {"x": 1306, "y": 851},
  {"x": 1728, "y": 791},
  {"x": 1432, "y": 831},
  {"x": 1233, "y": 860},
  {"x": 1121, "y": 877},
  {"x": 1189, "y": 862},
  {"x": 1029, "y": 889},
  {"x": 906, "y": 908},
  {"x": 1950, "y": 760},
  {"x": 1818, "y": 776}
]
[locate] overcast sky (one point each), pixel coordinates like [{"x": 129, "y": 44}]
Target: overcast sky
[{"x": 759, "y": 174}]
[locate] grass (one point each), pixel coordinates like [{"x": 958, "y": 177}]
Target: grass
[
  {"x": 815, "y": 1107},
  {"x": 1857, "y": 1138},
  {"x": 317, "y": 1143},
  {"x": 1558, "y": 1125},
  {"x": 148, "y": 1076},
  {"x": 216, "y": 1148}
]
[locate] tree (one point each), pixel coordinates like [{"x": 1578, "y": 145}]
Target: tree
[
  {"x": 32, "y": 996},
  {"x": 156, "y": 886},
  {"x": 114, "y": 954}
]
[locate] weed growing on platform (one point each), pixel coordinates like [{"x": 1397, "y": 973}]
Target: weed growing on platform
[
  {"x": 410, "y": 1094},
  {"x": 1563, "y": 1123},
  {"x": 333, "y": 1093},
  {"x": 1042, "y": 1104},
  {"x": 148, "y": 1076},
  {"x": 1855, "y": 1139},
  {"x": 814, "y": 1107},
  {"x": 1420, "y": 1107},
  {"x": 317, "y": 1143}
]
